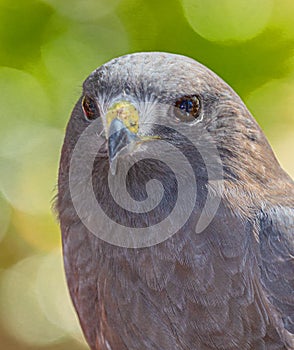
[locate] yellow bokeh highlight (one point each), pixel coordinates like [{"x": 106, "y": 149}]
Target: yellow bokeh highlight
[
  {"x": 34, "y": 303},
  {"x": 28, "y": 175},
  {"x": 20, "y": 310},
  {"x": 40, "y": 231},
  {"x": 228, "y": 20}
]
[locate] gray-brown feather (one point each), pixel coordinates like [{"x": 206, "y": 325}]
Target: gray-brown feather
[{"x": 229, "y": 287}]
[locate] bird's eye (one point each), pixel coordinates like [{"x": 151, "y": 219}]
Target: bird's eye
[
  {"x": 90, "y": 108},
  {"x": 187, "y": 108}
]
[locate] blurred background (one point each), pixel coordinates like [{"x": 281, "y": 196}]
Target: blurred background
[{"x": 47, "y": 48}]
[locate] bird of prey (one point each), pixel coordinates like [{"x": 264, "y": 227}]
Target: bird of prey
[{"x": 205, "y": 259}]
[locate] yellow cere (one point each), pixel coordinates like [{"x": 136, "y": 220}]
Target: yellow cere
[{"x": 126, "y": 112}]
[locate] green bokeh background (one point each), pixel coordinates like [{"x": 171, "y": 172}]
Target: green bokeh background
[{"x": 47, "y": 48}]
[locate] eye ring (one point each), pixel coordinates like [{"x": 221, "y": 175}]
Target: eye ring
[
  {"x": 187, "y": 108},
  {"x": 90, "y": 108}
]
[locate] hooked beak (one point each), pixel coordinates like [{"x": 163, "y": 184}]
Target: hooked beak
[
  {"x": 122, "y": 121},
  {"x": 119, "y": 137}
]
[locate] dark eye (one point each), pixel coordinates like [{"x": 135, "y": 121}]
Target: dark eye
[
  {"x": 90, "y": 108},
  {"x": 187, "y": 108}
]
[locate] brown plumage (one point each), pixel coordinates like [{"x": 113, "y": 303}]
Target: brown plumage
[{"x": 228, "y": 285}]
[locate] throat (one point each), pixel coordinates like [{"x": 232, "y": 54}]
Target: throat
[{"x": 139, "y": 195}]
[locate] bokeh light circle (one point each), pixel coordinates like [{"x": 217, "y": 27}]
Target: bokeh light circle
[
  {"x": 22, "y": 99},
  {"x": 228, "y": 20},
  {"x": 273, "y": 106},
  {"x": 20, "y": 311},
  {"x": 34, "y": 304},
  {"x": 29, "y": 167}
]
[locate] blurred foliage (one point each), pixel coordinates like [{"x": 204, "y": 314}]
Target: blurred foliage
[{"x": 47, "y": 48}]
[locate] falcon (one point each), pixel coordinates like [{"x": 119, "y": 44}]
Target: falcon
[{"x": 176, "y": 217}]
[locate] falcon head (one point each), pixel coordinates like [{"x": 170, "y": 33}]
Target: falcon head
[
  {"x": 166, "y": 118},
  {"x": 143, "y": 97}
]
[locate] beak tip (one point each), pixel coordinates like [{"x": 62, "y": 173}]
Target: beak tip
[{"x": 112, "y": 166}]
